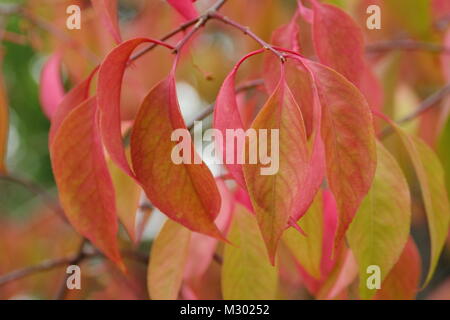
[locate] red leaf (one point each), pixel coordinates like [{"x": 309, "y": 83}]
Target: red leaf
[
  {"x": 187, "y": 193},
  {"x": 109, "y": 92},
  {"x": 349, "y": 139},
  {"x": 107, "y": 11},
  {"x": 227, "y": 117},
  {"x": 184, "y": 7},
  {"x": 85, "y": 188},
  {"x": 339, "y": 44},
  {"x": 51, "y": 91},
  {"x": 71, "y": 100}
]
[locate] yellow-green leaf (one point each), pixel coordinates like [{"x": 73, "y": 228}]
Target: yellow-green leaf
[
  {"x": 246, "y": 271},
  {"x": 167, "y": 261},
  {"x": 308, "y": 250},
  {"x": 431, "y": 178},
  {"x": 3, "y": 127},
  {"x": 380, "y": 229}
]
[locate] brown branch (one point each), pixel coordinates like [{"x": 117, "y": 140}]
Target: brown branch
[
  {"x": 250, "y": 33},
  {"x": 406, "y": 44},
  {"x": 426, "y": 105}
]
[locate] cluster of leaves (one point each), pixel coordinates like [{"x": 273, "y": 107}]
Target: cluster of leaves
[{"x": 339, "y": 203}]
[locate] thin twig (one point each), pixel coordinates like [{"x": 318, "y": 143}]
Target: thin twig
[
  {"x": 406, "y": 44},
  {"x": 426, "y": 105},
  {"x": 250, "y": 33}
]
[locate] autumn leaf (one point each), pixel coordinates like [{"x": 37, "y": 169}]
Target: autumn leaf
[
  {"x": 227, "y": 117},
  {"x": 431, "y": 177},
  {"x": 109, "y": 93},
  {"x": 275, "y": 195},
  {"x": 107, "y": 11},
  {"x": 184, "y": 7},
  {"x": 51, "y": 90},
  {"x": 308, "y": 250},
  {"x": 381, "y": 226},
  {"x": 339, "y": 44},
  {"x": 128, "y": 195},
  {"x": 168, "y": 258},
  {"x": 186, "y": 193},
  {"x": 85, "y": 188},
  {"x": 349, "y": 140},
  {"x": 246, "y": 271},
  {"x": 402, "y": 283}
]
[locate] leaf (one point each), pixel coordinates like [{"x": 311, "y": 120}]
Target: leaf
[
  {"x": 349, "y": 140},
  {"x": 308, "y": 250},
  {"x": 85, "y": 188},
  {"x": 202, "y": 248},
  {"x": 402, "y": 283},
  {"x": 186, "y": 193},
  {"x": 380, "y": 230},
  {"x": 107, "y": 11},
  {"x": 339, "y": 44},
  {"x": 109, "y": 93},
  {"x": 246, "y": 272},
  {"x": 227, "y": 117},
  {"x": 168, "y": 258},
  {"x": 444, "y": 142},
  {"x": 128, "y": 195},
  {"x": 4, "y": 126},
  {"x": 184, "y": 7},
  {"x": 71, "y": 100},
  {"x": 431, "y": 177},
  {"x": 51, "y": 90},
  {"x": 275, "y": 194}
]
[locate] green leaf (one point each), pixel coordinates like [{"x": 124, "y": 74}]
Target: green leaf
[
  {"x": 380, "y": 229},
  {"x": 308, "y": 250},
  {"x": 167, "y": 261},
  {"x": 246, "y": 271},
  {"x": 431, "y": 178}
]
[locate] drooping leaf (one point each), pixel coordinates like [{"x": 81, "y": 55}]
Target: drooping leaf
[
  {"x": 349, "y": 140},
  {"x": 185, "y": 192},
  {"x": 168, "y": 258},
  {"x": 380, "y": 230},
  {"x": 128, "y": 194},
  {"x": 431, "y": 177},
  {"x": 308, "y": 250},
  {"x": 85, "y": 188},
  {"x": 109, "y": 92},
  {"x": 4, "y": 126},
  {"x": 246, "y": 271},
  {"x": 402, "y": 283},
  {"x": 184, "y": 7},
  {"x": 339, "y": 44},
  {"x": 227, "y": 117},
  {"x": 275, "y": 188},
  {"x": 202, "y": 248},
  {"x": 107, "y": 11},
  {"x": 71, "y": 100},
  {"x": 51, "y": 91}
]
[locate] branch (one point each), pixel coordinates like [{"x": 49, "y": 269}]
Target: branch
[
  {"x": 426, "y": 105},
  {"x": 406, "y": 44},
  {"x": 251, "y": 34}
]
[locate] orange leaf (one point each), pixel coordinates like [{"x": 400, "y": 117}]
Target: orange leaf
[
  {"x": 85, "y": 188},
  {"x": 349, "y": 140},
  {"x": 187, "y": 193},
  {"x": 275, "y": 196}
]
